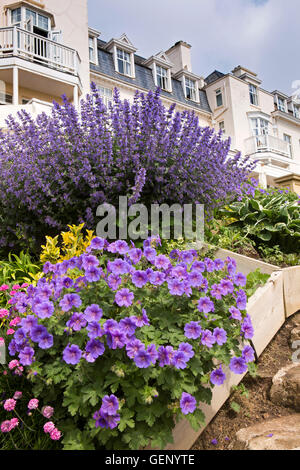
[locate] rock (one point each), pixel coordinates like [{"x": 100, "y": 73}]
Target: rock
[
  {"x": 276, "y": 434},
  {"x": 296, "y": 320},
  {"x": 285, "y": 390},
  {"x": 295, "y": 335}
]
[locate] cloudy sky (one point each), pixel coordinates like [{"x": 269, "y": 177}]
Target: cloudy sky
[{"x": 262, "y": 35}]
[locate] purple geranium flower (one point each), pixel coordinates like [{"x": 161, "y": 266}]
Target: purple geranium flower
[
  {"x": 150, "y": 254},
  {"x": 97, "y": 243},
  {"x": 27, "y": 323},
  {"x": 72, "y": 354},
  {"x": 187, "y": 349},
  {"x": 44, "y": 309},
  {"x": 220, "y": 336},
  {"x": 139, "y": 278},
  {"x": 110, "y": 405},
  {"x": 133, "y": 346},
  {"x": 46, "y": 341},
  {"x": 89, "y": 262},
  {"x": 206, "y": 305},
  {"x": 240, "y": 280},
  {"x": 151, "y": 350},
  {"x": 93, "y": 313},
  {"x": 114, "y": 281},
  {"x": 248, "y": 354},
  {"x": 124, "y": 298},
  {"x": 247, "y": 328},
  {"x": 161, "y": 262},
  {"x": 94, "y": 330},
  {"x": 37, "y": 332},
  {"x": 208, "y": 339},
  {"x": 176, "y": 287},
  {"x": 77, "y": 321},
  {"x": 217, "y": 377},
  {"x": 188, "y": 403},
  {"x": 238, "y": 365},
  {"x": 135, "y": 254},
  {"x": 69, "y": 301},
  {"x": 142, "y": 320},
  {"x": 26, "y": 356},
  {"x": 142, "y": 359},
  {"x": 192, "y": 330},
  {"x": 235, "y": 314},
  {"x": 94, "y": 349},
  {"x": 128, "y": 326},
  {"x": 179, "y": 360},
  {"x": 93, "y": 274}
]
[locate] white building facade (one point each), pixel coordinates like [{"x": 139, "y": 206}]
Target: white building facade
[{"x": 47, "y": 49}]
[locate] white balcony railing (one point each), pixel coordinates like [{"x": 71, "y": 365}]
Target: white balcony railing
[
  {"x": 21, "y": 43},
  {"x": 267, "y": 143}
]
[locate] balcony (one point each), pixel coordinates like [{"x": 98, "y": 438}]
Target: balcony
[
  {"x": 17, "y": 42},
  {"x": 267, "y": 144}
]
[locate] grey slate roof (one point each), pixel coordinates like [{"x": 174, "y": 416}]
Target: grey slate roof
[
  {"x": 144, "y": 78},
  {"x": 214, "y": 76}
]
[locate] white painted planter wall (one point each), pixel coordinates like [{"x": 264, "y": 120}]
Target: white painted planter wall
[{"x": 269, "y": 307}]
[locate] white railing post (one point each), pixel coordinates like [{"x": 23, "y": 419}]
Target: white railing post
[{"x": 15, "y": 41}]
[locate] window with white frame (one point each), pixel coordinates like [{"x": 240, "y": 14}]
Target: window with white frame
[
  {"x": 106, "y": 95},
  {"x": 38, "y": 20},
  {"x": 222, "y": 127},
  {"x": 260, "y": 129},
  {"x": 219, "y": 97},
  {"x": 124, "y": 62},
  {"x": 287, "y": 138},
  {"x": 5, "y": 98},
  {"x": 253, "y": 94},
  {"x": 297, "y": 111},
  {"x": 190, "y": 89},
  {"x": 162, "y": 79},
  {"x": 92, "y": 54},
  {"x": 281, "y": 104},
  {"x": 16, "y": 17}
]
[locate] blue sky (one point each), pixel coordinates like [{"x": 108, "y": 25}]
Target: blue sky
[{"x": 262, "y": 35}]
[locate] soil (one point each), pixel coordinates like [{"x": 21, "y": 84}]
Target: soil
[{"x": 256, "y": 407}]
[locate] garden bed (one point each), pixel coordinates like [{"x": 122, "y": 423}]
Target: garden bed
[{"x": 268, "y": 307}]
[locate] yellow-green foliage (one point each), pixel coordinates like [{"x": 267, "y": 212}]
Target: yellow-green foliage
[{"x": 66, "y": 245}]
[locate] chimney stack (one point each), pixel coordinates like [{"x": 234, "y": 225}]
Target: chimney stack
[{"x": 180, "y": 56}]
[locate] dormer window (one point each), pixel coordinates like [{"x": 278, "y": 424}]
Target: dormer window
[
  {"x": 190, "y": 89},
  {"x": 123, "y": 54},
  {"x": 124, "y": 62},
  {"x": 297, "y": 112},
  {"x": 162, "y": 78},
  {"x": 92, "y": 54},
  {"x": 281, "y": 104}
]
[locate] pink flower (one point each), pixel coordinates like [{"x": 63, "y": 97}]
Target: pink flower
[
  {"x": 10, "y": 331},
  {"x": 19, "y": 370},
  {"x": 14, "y": 422},
  {"x": 15, "y": 321},
  {"x": 10, "y": 301},
  {"x": 49, "y": 427},
  {"x": 55, "y": 435},
  {"x": 3, "y": 312},
  {"x": 24, "y": 285},
  {"x": 14, "y": 363},
  {"x": 47, "y": 411},
  {"x": 6, "y": 426},
  {"x": 4, "y": 287},
  {"x": 17, "y": 395},
  {"x": 16, "y": 287},
  {"x": 12, "y": 292},
  {"x": 5, "y": 372},
  {"x": 9, "y": 405},
  {"x": 2, "y": 342},
  {"x": 33, "y": 404}
]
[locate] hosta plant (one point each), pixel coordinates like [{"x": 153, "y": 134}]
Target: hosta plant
[{"x": 123, "y": 341}]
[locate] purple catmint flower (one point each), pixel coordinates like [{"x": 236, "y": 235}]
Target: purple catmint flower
[
  {"x": 124, "y": 298},
  {"x": 208, "y": 339},
  {"x": 205, "y": 305},
  {"x": 188, "y": 403},
  {"x": 220, "y": 336},
  {"x": 192, "y": 330},
  {"x": 93, "y": 313},
  {"x": 72, "y": 354},
  {"x": 217, "y": 377},
  {"x": 238, "y": 365}
]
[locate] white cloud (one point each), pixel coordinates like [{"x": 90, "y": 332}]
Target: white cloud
[{"x": 262, "y": 35}]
